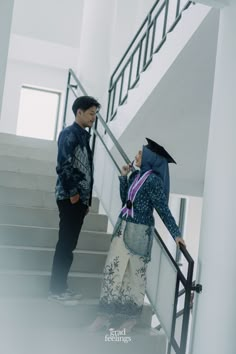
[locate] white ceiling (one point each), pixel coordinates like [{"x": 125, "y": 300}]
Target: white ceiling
[{"x": 55, "y": 21}]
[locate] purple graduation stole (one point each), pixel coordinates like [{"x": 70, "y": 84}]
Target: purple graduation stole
[{"x": 128, "y": 210}]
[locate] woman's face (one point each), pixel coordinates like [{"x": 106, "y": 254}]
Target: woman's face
[{"x": 138, "y": 159}]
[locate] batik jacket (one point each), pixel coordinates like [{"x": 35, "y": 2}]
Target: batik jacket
[
  {"x": 74, "y": 165},
  {"x": 139, "y": 230}
]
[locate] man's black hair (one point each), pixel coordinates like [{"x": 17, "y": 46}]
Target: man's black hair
[{"x": 84, "y": 103}]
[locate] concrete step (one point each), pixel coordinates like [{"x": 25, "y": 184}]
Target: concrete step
[
  {"x": 14, "y": 215},
  {"x": 33, "y": 198},
  {"x": 27, "y": 165},
  {"x": 40, "y": 259},
  {"x": 79, "y": 340},
  {"x": 35, "y": 284},
  {"x": 22, "y": 141},
  {"x": 27, "y": 288},
  {"x": 30, "y": 236},
  {"x": 74, "y": 340},
  {"x": 38, "y": 326},
  {"x": 37, "y": 153},
  {"x": 27, "y": 180},
  {"x": 43, "y": 313}
]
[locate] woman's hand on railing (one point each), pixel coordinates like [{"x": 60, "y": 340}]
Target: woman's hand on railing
[
  {"x": 125, "y": 170},
  {"x": 179, "y": 241}
]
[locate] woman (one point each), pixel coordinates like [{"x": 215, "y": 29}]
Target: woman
[{"x": 124, "y": 281}]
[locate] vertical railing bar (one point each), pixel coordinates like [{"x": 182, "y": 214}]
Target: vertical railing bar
[
  {"x": 177, "y": 8},
  {"x": 153, "y": 35},
  {"x": 174, "y": 311},
  {"x": 169, "y": 348},
  {"x": 136, "y": 36},
  {"x": 147, "y": 40},
  {"x": 186, "y": 315},
  {"x": 113, "y": 99},
  {"x": 121, "y": 86},
  {"x": 139, "y": 59},
  {"x": 181, "y": 224},
  {"x": 165, "y": 19},
  {"x": 94, "y": 135},
  {"x": 155, "y": 18},
  {"x": 130, "y": 71},
  {"x": 109, "y": 100},
  {"x": 73, "y": 91},
  {"x": 57, "y": 120},
  {"x": 131, "y": 44},
  {"x": 66, "y": 100}
]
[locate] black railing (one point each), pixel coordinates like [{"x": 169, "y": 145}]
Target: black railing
[
  {"x": 187, "y": 285},
  {"x": 161, "y": 19},
  {"x": 181, "y": 312},
  {"x": 74, "y": 86}
]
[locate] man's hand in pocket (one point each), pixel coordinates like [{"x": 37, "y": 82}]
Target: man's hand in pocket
[{"x": 74, "y": 199}]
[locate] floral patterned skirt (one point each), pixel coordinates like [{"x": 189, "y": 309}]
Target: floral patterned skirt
[{"x": 124, "y": 280}]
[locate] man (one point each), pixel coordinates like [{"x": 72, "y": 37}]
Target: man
[{"x": 73, "y": 193}]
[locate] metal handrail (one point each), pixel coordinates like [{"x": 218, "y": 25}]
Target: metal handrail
[
  {"x": 178, "y": 315},
  {"x": 126, "y": 75},
  {"x": 188, "y": 288},
  {"x": 98, "y": 117},
  {"x": 186, "y": 282}
]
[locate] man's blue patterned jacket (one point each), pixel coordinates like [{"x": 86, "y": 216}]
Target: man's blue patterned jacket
[{"x": 74, "y": 165}]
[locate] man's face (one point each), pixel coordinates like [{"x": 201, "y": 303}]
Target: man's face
[{"x": 86, "y": 118}]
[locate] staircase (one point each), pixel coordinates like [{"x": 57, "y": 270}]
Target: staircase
[{"x": 29, "y": 323}]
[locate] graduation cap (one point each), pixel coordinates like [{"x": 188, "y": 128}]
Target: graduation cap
[{"x": 158, "y": 149}]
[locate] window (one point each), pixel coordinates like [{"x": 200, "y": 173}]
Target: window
[{"x": 38, "y": 113}]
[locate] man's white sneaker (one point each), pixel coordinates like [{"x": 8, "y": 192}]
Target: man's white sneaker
[
  {"x": 73, "y": 294},
  {"x": 64, "y": 298}
]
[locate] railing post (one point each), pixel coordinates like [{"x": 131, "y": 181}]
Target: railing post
[
  {"x": 113, "y": 101},
  {"x": 139, "y": 61},
  {"x": 94, "y": 136},
  {"x": 174, "y": 316},
  {"x": 153, "y": 35},
  {"x": 165, "y": 19},
  {"x": 177, "y": 8},
  {"x": 147, "y": 40},
  {"x": 109, "y": 100},
  {"x": 185, "y": 322},
  {"x": 130, "y": 71},
  {"x": 121, "y": 86},
  {"x": 66, "y": 100}
]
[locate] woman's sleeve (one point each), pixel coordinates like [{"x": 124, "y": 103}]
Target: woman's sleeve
[
  {"x": 125, "y": 182},
  {"x": 123, "y": 189},
  {"x": 160, "y": 203}
]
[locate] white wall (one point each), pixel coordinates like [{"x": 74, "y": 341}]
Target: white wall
[
  {"x": 191, "y": 232},
  {"x": 19, "y": 73},
  {"x": 108, "y": 27},
  {"x": 192, "y": 227},
  {"x": 215, "y": 308},
  {"x": 94, "y": 52},
  {"x": 6, "y": 9},
  {"x": 49, "y": 20},
  {"x": 40, "y": 59},
  {"x": 40, "y": 52}
]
